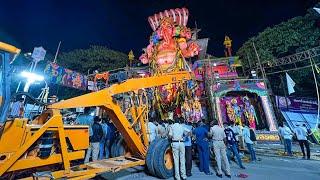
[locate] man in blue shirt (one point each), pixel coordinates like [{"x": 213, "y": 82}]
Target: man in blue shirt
[
  {"x": 201, "y": 133},
  {"x": 104, "y": 151},
  {"x": 188, "y": 150},
  {"x": 232, "y": 144},
  {"x": 111, "y": 135},
  {"x": 85, "y": 119}
]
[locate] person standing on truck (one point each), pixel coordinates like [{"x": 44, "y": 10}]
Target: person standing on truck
[
  {"x": 97, "y": 134},
  {"x": 177, "y": 132},
  {"x": 201, "y": 134}
]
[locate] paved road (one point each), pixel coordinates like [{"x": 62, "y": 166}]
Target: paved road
[{"x": 269, "y": 168}]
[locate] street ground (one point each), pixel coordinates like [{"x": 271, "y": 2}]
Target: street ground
[{"x": 271, "y": 166}]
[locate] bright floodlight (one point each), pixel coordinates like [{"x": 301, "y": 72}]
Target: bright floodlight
[
  {"x": 32, "y": 76},
  {"x": 317, "y": 9}
]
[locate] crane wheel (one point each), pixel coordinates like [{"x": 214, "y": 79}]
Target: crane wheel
[
  {"x": 151, "y": 155},
  {"x": 163, "y": 159}
]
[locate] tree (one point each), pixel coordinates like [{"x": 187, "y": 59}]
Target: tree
[
  {"x": 295, "y": 35},
  {"x": 95, "y": 58}
]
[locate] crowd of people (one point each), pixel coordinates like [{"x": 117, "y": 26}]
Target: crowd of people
[
  {"x": 184, "y": 136},
  {"x": 301, "y": 133},
  {"x": 189, "y": 139},
  {"x": 102, "y": 133}
]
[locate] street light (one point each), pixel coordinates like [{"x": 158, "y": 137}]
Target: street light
[
  {"x": 317, "y": 9},
  {"x": 31, "y": 78}
]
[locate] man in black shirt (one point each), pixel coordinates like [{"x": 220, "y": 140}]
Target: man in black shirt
[
  {"x": 232, "y": 143},
  {"x": 97, "y": 134}
]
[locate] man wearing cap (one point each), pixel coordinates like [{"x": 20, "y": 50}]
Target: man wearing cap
[{"x": 177, "y": 133}]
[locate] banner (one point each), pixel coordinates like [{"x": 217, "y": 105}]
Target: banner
[
  {"x": 297, "y": 104},
  {"x": 290, "y": 84},
  {"x": 65, "y": 77}
]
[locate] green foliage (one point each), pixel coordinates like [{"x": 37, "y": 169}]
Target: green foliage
[
  {"x": 95, "y": 58},
  {"x": 295, "y": 35}
]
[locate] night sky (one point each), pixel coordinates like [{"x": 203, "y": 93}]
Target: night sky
[{"x": 122, "y": 25}]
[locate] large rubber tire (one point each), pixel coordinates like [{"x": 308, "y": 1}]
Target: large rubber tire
[
  {"x": 150, "y": 156},
  {"x": 163, "y": 160}
]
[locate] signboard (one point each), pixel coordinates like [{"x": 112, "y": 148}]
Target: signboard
[
  {"x": 38, "y": 54},
  {"x": 267, "y": 137},
  {"x": 65, "y": 77},
  {"x": 297, "y": 104}
]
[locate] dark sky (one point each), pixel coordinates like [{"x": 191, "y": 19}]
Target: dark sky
[{"x": 122, "y": 25}]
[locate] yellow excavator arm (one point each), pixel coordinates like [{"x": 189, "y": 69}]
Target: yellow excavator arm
[{"x": 104, "y": 99}]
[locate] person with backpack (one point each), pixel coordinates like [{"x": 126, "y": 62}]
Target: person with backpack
[
  {"x": 232, "y": 144},
  {"x": 248, "y": 141},
  {"x": 94, "y": 140}
]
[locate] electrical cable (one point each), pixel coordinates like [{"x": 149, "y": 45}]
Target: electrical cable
[
  {"x": 317, "y": 89},
  {"x": 30, "y": 97}
]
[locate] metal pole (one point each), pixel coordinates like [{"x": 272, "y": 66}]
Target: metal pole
[
  {"x": 284, "y": 91},
  {"x": 261, "y": 69},
  {"x": 55, "y": 57},
  {"x": 317, "y": 89}
]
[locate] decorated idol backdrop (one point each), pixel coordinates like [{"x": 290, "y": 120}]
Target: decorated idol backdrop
[
  {"x": 58, "y": 75},
  {"x": 242, "y": 109},
  {"x": 249, "y": 102},
  {"x": 169, "y": 45}
]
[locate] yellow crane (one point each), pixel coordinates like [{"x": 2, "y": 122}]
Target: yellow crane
[{"x": 21, "y": 140}]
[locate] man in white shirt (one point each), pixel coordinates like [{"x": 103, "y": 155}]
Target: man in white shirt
[
  {"x": 287, "y": 136},
  {"x": 152, "y": 130},
  {"x": 177, "y": 133},
  {"x": 248, "y": 141},
  {"x": 219, "y": 138},
  {"x": 302, "y": 134}
]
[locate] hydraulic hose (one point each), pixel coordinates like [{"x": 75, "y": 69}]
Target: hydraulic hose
[{"x": 30, "y": 97}]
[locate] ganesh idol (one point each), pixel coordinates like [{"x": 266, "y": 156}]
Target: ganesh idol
[{"x": 169, "y": 45}]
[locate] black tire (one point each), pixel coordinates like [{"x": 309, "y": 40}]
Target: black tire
[
  {"x": 159, "y": 160},
  {"x": 150, "y": 156}
]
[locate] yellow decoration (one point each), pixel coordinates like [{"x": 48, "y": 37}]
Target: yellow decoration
[
  {"x": 227, "y": 42},
  {"x": 131, "y": 57}
]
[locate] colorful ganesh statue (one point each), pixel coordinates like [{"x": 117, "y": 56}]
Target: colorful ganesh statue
[
  {"x": 237, "y": 110},
  {"x": 169, "y": 45},
  {"x": 249, "y": 112}
]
